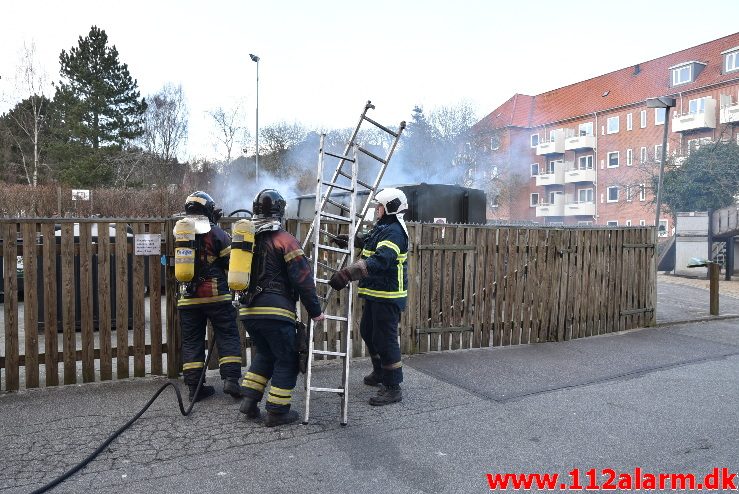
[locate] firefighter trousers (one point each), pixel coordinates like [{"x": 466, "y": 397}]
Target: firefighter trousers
[
  {"x": 193, "y": 320},
  {"x": 379, "y": 330},
  {"x": 276, "y": 359}
]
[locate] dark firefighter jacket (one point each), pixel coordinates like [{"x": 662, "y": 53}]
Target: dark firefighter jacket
[
  {"x": 386, "y": 252},
  {"x": 283, "y": 276},
  {"x": 213, "y": 250}
]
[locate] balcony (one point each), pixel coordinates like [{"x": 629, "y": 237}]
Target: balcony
[
  {"x": 705, "y": 119},
  {"x": 555, "y": 209},
  {"x": 554, "y": 145},
  {"x": 574, "y": 175},
  {"x": 729, "y": 113},
  {"x": 580, "y": 209},
  {"x": 555, "y": 178},
  {"x": 580, "y": 142}
]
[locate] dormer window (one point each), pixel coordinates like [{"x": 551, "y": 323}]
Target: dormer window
[
  {"x": 731, "y": 60},
  {"x": 685, "y": 73}
]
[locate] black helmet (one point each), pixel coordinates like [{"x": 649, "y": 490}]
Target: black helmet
[
  {"x": 201, "y": 203},
  {"x": 269, "y": 204}
]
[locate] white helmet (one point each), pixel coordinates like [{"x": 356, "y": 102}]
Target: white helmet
[{"x": 394, "y": 202}]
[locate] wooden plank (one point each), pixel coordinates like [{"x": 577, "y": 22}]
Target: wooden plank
[
  {"x": 104, "y": 301},
  {"x": 616, "y": 242},
  {"x": 501, "y": 252},
  {"x": 86, "y": 312},
  {"x": 603, "y": 292},
  {"x": 519, "y": 304},
  {"x": 570, "y": 291},
  {"x": 555, "y": 328},
  {"x": 441, "y": 329},
  {"x": 436, "y": 303},
  {"x": 425, "y": 317},
  {"x": 410, "y": 314},
  {"x": 174, "y": 359},
  {"x": 509, "y": 320},
  {"x": 489, "y": 286},
  {"x": 478, "y": 305},
  {"x": 468, "y": 269},
  {"x": 77, "y": 355},
  {"x": 68, "y": 304},
  {"x": 575, "y": 282},
  {"x": 623, "y": 268},
  {"x": 593, "y": 287},
  {"x": 10, "y": 303},
  {"x": 533, "y": 282},
  {"x": 448, "y": 260},
  {"x": 546, "y": 259},
  {"x": 139, "y": 307},
  {"x": 51, "y": 335},
  {"x": 650, "y": 272},
  {"x": 155, "y": 306},
  {"x": 121, "y": 299},
  {"x": 527, "y": 301},
  {"x": 562, "y": 313},
  {"x": 629, "y": 277},
  {"x": 30, "y": 304},
  {"x": 583, "y": 246}
]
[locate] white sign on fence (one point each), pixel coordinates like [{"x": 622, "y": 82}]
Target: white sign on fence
[
  {"x": 148, "y": 244},
  {"x": 80, "y": 195}
]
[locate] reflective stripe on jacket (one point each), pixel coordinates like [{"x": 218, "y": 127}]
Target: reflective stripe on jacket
[{"x": 386, "y": 252}]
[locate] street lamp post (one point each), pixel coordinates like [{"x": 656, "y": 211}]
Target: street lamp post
[
  {"x": 662, "y": 102},
  {"x": 255, "y": 58}
]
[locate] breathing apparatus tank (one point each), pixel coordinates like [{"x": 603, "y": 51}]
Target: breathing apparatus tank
[
  {"x": 242, "y": 252},
  {"x": 184, "y": 252}
]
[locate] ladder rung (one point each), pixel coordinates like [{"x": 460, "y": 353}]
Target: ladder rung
[
  {"x": 324, "y": 352},
  {"x": 365, "y": 185},
  {"x": 326, "y": 266},
  {"x": 336, "y": 217},
  {"x": 337, "y": 186},
  {"x": 343, "y": 173},
  {"x": 333, "y": 249},
  {"x": 335, "y": 318},
  {"x": 328, "y": 390},
  {"x": 372, "y": 155},
  {"x": 338, "y": 205},
  {"x": 346, "y": 158},
  {"x": 392, "y": 133}
]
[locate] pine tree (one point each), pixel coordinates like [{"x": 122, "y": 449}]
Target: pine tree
[{"x": 98, "y": 109}]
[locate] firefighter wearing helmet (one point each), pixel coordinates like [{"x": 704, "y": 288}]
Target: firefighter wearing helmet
[
  {"x": 281, "y": 275},
  {"x": 205, "y": 296},
  {"x": 383, "y": 280}
]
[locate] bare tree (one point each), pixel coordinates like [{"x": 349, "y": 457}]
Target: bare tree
[
  {"x": 166, "y": 122},
  {"x": 29, "y": 115},
  {"x": 452, "y": 122},
  {"x": 230, "y": 129}
]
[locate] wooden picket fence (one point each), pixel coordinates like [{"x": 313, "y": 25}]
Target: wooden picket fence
[{"x": 469, "y": 286}]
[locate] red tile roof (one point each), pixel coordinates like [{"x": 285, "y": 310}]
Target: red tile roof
[{"x": 625, "y": 86}]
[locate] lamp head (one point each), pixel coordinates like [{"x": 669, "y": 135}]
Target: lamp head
[{"x": 254, "y": 58}]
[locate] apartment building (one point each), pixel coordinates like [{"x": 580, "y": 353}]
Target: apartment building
[{"x": 586, "y": 153}]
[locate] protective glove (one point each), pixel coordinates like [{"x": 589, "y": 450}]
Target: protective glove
[
  {"x": 341, "y": 241},
  {"x": 353, "y": 272},
  {"x": 320, "y": 317}
]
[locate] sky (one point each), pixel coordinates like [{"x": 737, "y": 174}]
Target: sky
[{"x": 321, "y": 60}]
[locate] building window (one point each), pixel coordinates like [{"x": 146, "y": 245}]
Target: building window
[
  {"x": 495, "y": 143},
  {"x": 628, "y": 222},
  {"x": 612, "y": 223},
  {"x": 658, "y": 153},
  {"x": 534, "y": 169},
  {"x": 642, "y": 222},
  {"x": 629, "y": 157},
  {"x": 585, "y": 129},
  {"x": 585, "y": 195},
  {"x": 613, "y": 194},
  {"x": 642, "y": 192},
  {"x": 534, "y": 199},
  {"x": 534, "y": 140},
  {"x": 732, "y": 61},
  {"x": 659, "y": 116},
  {"x": 629, "y": 193},
  {"x": 553, "y": 196},
  {"x": 643, "y": 155},
  {"x": 643, "y": 119},
  {"x": 584, "y": 223},
  {"x": 629, "y": 121},
  {"x": 613, "y": 159},
  {"x": 682, "y": 75},
  {"x": 585, "y": 162},
  {"x": 612, "y": 124},
  {"x": 662, "y": 229},
  {"x": 697, "y": 105}
]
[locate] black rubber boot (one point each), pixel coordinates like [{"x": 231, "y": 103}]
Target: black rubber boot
[
  {"x": 231, "y": 387},
  {"x": 373, "y": 379},
  {"x": 205, "y": 392},
  {"x": 275, "y": 419},
  {"x": 249, "y": 408},
  {"x": 387, "y": 395}
]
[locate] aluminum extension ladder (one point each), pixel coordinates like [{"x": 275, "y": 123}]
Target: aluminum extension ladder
[{"x": 342, "y": 181}]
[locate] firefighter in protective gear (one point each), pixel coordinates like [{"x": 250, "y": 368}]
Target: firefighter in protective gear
[
  {"x": 383, "y": 278},
  {"x": 208, "y": 297},
  {"x": 281, "y": 275}
]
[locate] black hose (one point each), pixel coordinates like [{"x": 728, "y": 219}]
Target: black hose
[
  {"x": 241, "y": 211},
  {"x": 128, "y": 424}
]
